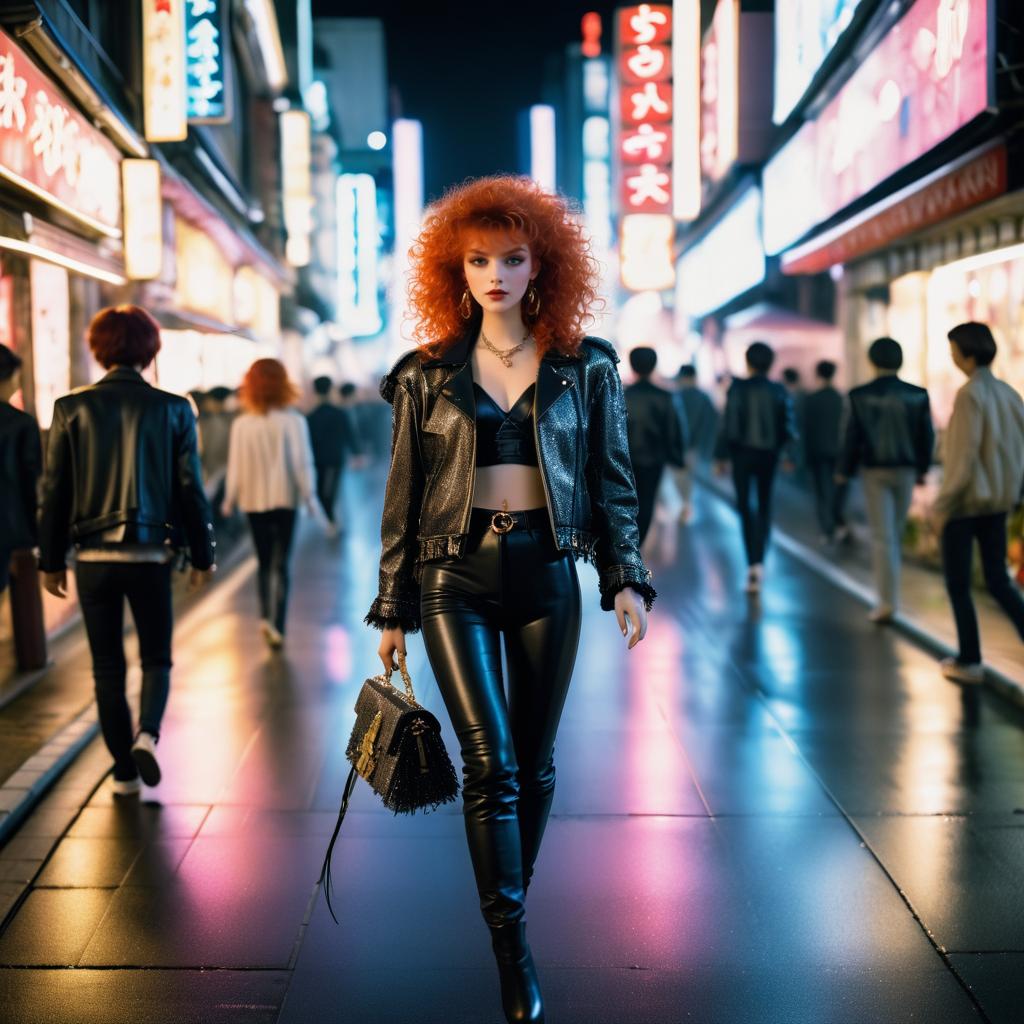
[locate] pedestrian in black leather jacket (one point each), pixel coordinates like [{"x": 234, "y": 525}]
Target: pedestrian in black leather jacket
[
  {"x": 123, "y": 482},
  {"x": 758, "y": 427},
  {"x": 889, "y": 437},
  {"x": 509, "y": 461}
]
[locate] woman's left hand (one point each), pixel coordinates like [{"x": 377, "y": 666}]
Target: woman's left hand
[{"x": 629, "y": 604}]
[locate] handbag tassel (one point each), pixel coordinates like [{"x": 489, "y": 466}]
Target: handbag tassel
[{"x": 325, "y": 871}]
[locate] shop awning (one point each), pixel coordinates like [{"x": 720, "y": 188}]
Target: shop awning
[{"x": 100, "y": 259}]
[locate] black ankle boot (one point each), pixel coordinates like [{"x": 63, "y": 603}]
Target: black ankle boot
[{"x": 520, "y": 990}]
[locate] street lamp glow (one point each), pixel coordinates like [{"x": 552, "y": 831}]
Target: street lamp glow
[{"x": 376, "y": 140}]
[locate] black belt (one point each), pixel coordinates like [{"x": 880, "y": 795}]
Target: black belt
[{"x": 502, "y": 522}]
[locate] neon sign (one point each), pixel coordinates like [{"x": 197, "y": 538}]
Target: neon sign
[
  {"x": 51, "y": 151},
  {"x": 163, "y": 60},
  {"x": 206, "y": 49},
  {"x": 644, "y": 147}
]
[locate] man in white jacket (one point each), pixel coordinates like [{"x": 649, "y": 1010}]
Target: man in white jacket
[{"x": 983, "y": 479}]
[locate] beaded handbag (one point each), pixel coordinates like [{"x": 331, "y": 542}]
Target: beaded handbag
[{"x": 396, "y": 746}]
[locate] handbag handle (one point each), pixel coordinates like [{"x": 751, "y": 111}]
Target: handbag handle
[{"x": 406, "y": 678}]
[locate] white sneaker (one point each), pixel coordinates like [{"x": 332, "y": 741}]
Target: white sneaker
[
  {"x": 144, "y": 755},
  {"x": 962, "y": 671},
  {"x": 270, "y": 633},
  {"x": 126, "y": 787},
  {"x": 881, "y": 614}
]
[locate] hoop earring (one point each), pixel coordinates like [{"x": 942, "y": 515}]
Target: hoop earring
[
  {"x": 532, "y": 302},
  {"x": 466, "y": 305}
]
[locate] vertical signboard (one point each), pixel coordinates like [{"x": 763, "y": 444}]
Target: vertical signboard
[
  {"x": 296, "y": 159},
  {"x": 143, "y": 219},
  {"x": 51, "y": 337},
  {"x": 720, "y": 101},
  {"x": 644, "y": 146},
  {"x": 207, "y": 48},
  {"x": 163, "y": 63}
]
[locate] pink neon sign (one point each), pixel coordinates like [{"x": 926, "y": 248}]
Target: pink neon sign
[{"x": 927, "y": 77}]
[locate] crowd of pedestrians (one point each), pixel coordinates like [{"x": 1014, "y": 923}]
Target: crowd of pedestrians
[{"x": 881, "y": 432}]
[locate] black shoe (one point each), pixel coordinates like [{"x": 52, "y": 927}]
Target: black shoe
[{"x": 520, "y": 990}]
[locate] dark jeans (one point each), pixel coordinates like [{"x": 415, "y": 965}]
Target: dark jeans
[
  {"x": 328, "y": 480},
  {"x": 829, "y": 497},
  {"x": 518, "y": 587},
  {"x": 647, "y": 480},
  {"x": 102, "y": 589},
  {"x": 753, "y": 475},
  {"x": 272, "y": 536},
  {"x": 957, "y": 557}
]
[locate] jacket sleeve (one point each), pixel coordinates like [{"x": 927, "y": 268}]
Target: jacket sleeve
[
  {"x": 303, "y": 467},
  {"x": 613, "y": 497},
  {"x": 193, "y": 505},
  {"x": 58, "y": 495},
  {"x": 398, "y": 598},
  {"x": 925, "y": 440},
  {"x": 30, "y": 458},
  {"x": 852, "y": 443},
  {"x": 961, "y": 446}
]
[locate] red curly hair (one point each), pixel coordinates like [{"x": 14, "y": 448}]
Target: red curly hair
[
  {"x": 266, "y": 386},
  {"x": 519, "y": 207}
]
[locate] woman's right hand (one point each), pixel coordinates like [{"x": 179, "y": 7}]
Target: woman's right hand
[{"x": 391, "y": 640}]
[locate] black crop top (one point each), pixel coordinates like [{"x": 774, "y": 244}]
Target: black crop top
[{"x": 504, "y": 439}]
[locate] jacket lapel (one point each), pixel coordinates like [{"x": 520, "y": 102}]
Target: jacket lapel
[
  {"x": 552, "y": 383},
  {"x": 458, "y": 389}
]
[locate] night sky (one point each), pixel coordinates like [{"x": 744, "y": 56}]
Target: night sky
[{"x": 466, "y": 69}]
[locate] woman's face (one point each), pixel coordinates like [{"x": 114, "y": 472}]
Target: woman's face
[{"x": 498, "y": 269}]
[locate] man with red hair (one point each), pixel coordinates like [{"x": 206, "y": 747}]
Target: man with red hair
[{"x": 124, "y": 486}]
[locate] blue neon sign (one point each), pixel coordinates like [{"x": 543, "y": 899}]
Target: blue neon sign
[{"x": 206, "y": 52}]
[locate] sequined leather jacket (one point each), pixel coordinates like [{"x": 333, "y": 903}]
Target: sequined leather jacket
[{"x": 580, "y": 423}]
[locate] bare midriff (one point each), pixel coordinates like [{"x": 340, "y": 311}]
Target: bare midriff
[{"x": 520, "y": 486}]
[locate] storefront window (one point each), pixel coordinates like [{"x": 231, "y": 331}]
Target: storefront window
[{"x": 987, "y": 288}]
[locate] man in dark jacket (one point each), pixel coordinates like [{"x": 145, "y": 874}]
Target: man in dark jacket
[
  {"x": 757, "y": 428},
  {"x": 822, "y": 434},
  {"x": 655, "y": 431},
  {"x": 332, "y": 438},
  {"x": 889, "y": 434},
  {"x": 20, "y": 465},
  {"x": 697, "y": 412},
  {"x": 123, "y": 483}
]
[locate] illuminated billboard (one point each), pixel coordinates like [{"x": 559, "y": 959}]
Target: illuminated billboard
[
  {"x": 805, "y": 32},
  {"x": 928, "y": 77}
]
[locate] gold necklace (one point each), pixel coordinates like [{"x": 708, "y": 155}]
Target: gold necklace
[{"x": 504, "y": 354}]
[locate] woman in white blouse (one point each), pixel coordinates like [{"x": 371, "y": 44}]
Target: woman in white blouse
[{"x": 270, "y": 473}]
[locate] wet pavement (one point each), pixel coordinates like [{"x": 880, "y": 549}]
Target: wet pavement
[{"x": 769, "y": 812}]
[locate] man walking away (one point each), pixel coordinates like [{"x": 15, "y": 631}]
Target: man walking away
[
  {"x": 822, "y": 428},
  {"x": 332, "y": 437},
  {"x": 20, "y": 466},
  {"x": 124, "y": 484},
  {"x": 889, "y": 433},
  {"x": 698, "y": 414},
  {"x": 982, "y": 480},
  {"x": 758, "y": 426},
  {"x": 656, "y": 433}
]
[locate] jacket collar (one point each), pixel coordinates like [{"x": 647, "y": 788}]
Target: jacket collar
[
  {"x": 458, "y": 388},
  {"x": 123, "y": 374}
]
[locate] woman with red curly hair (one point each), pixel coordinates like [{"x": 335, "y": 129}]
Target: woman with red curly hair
[
  {"x": 509, "y": 460},
  {"x": 270, "y": 473}
]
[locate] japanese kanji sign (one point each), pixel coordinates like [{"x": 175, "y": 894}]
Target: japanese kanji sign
[
  {"x": 207, "y": 46},
  {"x": 50, "y": 150},
  {"x": 644, "y": 145},
  {"x": 163, "y": 65}
]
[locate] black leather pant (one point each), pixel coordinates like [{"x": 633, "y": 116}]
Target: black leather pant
[{"x": 520, "y": 585}]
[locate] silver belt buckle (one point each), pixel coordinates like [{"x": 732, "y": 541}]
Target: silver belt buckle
[{"x": 502, "y": 522}]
